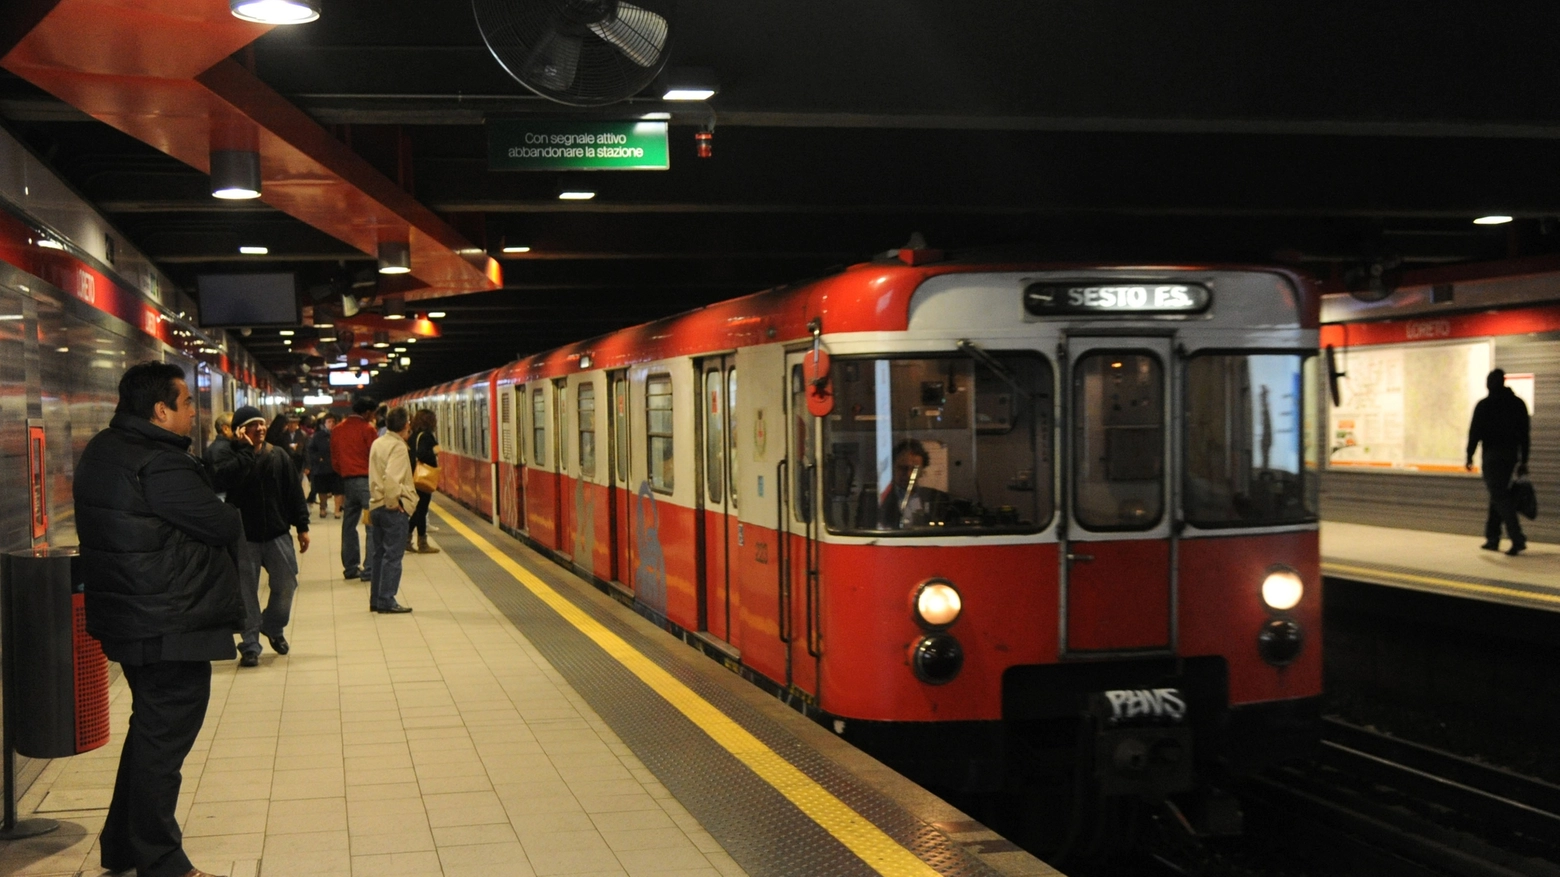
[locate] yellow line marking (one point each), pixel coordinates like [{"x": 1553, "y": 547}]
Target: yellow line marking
[
  {"x": 878, "y": 850},
  {"x": 1493, "y": 590}
]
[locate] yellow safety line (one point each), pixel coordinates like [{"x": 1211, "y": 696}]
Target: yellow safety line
[
  {"x": 878, "y": 850},
  {"x": 1538, "y": 596}
]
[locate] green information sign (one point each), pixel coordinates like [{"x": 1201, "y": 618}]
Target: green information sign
[{"x": 533, "y": 145}]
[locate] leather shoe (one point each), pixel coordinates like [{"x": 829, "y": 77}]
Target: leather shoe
[
  {"x": 279, "y": 643},
  {"x": 350, "y": 574},
  {"x": 394, "y": 609},
  {"x": 1491, "y": 546},
  {"x": 1516, "y": 548},
  {"x": 249, "y": 659}
]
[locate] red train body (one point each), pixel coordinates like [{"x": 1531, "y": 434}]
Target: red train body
[{"x": 1112, "y": 471}]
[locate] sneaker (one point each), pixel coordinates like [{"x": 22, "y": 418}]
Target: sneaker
[{"x": 249, "y": 659}]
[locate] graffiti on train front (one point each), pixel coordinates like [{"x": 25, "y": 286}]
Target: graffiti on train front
[{"x": 649, "y": 559}]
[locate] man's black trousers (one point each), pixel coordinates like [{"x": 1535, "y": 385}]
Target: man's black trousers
[
  {"x": 1498, "y": 468},
  {"x": 168, "y": 706}
]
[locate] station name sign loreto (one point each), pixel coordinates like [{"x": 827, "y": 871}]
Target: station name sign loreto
[{"x": 576, "y": 145}]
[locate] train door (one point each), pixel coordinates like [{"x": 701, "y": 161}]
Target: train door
[
  {"x": 563, "y": 525},
  {"x": 619, "y": 494},
  {"x": 799, "y": 574},
  {"x": 1116, "y": 561},
  {"x": 718, "y": 514}
]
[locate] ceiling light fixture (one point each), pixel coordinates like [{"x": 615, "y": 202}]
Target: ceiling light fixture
[
  {"x": 255, "y": 251},
  {"x": 1493, "y": 219},
  {"x": 276, "y": 11},
  {"x": 395, "y": 307},
  {"x": 286, "y": 332},
  {"x": 235, "y": 174},
  {"x": 690, "y": 83},
  {"x": 576, "y": 195},
  {"x": 324, "y": 325},
  {"x": 395, "y": 257},
  {"x": 435, "y": 315},
  {"x": 517, "y": 249}
]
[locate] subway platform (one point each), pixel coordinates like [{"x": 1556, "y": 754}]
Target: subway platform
[
  {"x": 518, "y": 722},
  {"x": 1443, "y": 563}
]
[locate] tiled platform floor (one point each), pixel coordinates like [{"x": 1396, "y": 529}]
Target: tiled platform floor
[
  {"x": 1417, "y": 558},
  {"x": 435, "y": 743}
]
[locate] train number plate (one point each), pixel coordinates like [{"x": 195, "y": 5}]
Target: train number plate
[{"x": 1142, "y": 706}]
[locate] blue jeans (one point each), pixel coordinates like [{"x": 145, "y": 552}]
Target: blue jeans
[
  {"x": 281, "y": 563},
  {"x": 356, "y": 492},
  {"x": 389, "y": 550}
]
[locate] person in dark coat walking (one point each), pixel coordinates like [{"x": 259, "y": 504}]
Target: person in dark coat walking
[
  {"x": 161, "y": 587},
  {"x": 270, "y": 496},
  {"x": 322, "y": 477},
  {"x": 1500, "y": 423}
]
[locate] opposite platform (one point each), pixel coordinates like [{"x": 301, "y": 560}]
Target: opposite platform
[
  {"x": 1444, "y": 563},
  {"x": 519, "y": 722}
]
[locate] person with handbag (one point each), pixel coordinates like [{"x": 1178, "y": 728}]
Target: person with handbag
[
  {"x": 1501, "y": 424},
  {"x": 424, "y": 448}
]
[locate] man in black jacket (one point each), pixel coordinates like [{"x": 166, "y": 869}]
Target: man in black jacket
[
  {"x": 161, "y": 583},
  {"x": 1500, "y": 422},
  {"x": 270, "y": 496}
]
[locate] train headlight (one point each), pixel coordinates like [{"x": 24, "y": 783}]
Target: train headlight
[
  {"x": 936, "y": 659},
  {"x": 937, "y": 604},
  {"x": 1279, "y": 641},
  {"x": 1282, "y": 589}
]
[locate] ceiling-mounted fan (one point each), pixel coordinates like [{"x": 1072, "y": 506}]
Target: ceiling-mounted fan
[{"x": 584, "y": 53}]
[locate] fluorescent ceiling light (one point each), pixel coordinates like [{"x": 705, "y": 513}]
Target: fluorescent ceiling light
[
  {"x": 573, "y": 195},
  {"x": 324, "y": 325},
  {"x": 255, "y": 251},
  {"x": 517, "y": 249},
  {"x": 276, "y": 11},
  {"x": 1494, "y": 219},
  {"x": 656, "y": 117},
  {"x": 435, "y": 314},
  {"x": 688, "y": 94},
  {"x": 286, "y": 332},
  {"x": 381, "y": 344}
]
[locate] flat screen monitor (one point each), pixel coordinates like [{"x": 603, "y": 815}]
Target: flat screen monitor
[
  {"x": 344, "y": 378},
  {"x": 235, "y": 300}
]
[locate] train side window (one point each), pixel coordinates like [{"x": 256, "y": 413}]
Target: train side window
[
  {"x": 731, "y": 410},
  {"x": 714, "y": 435},
  {"x": 538, "y": 427},
  {"x": 1247, "y": 459},
  {"x": 620, "y": 408},
  {"x": 658, "y": 429},
  {"x": 803, "y": 449},
  {"x": 1118, "y": 415},
  {"x": 484, "y": 444},
  {"x": 585, "y": 407}
]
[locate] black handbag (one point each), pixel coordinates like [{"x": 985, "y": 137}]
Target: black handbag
[{"x": 1524, "y": 498}]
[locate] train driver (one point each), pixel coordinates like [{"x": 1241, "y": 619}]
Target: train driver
[{"x": 907, "y": 502}]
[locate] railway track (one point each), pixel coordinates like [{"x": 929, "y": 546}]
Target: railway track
[{"x": 1380, "y": 805}]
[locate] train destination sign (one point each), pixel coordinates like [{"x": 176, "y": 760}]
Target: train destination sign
[
  {"x": 576, "y": 145},
  {"x": 1048, "y": 299}
]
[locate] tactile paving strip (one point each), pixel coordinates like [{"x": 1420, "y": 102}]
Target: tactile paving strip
[{"x": 762, "y": 830}]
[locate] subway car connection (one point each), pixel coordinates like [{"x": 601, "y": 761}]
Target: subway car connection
[{"x": 1008, "y": 527}]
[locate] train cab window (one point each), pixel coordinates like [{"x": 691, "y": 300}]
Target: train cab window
[
  {"x": 586, "y": 408},
  {"x": 1118, "y": 440},
  {"x": 1247, "y": 461},
  {"x": 538, "y": 427},
  {"x": 658, "y": 430},
  {"x": 924, "y": 446}
]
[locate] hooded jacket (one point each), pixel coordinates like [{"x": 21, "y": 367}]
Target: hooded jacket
[
  {"x": 156, "y": 543},
  {"x": 269, "y": 493},
  {"x": 1500, "y": 422}
]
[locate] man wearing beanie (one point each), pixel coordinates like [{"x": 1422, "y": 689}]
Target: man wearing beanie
[{"x": 269, "y": 494}]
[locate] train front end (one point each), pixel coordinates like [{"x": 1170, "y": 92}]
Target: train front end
[{"x": 1067, "y": 530}]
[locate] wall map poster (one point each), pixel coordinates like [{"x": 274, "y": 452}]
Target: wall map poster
[{"x": 1406, "y": 407}]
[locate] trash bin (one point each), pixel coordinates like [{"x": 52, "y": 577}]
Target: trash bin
[{"x": 56, "y": 675}]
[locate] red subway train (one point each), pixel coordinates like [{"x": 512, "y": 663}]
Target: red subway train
[{"x": 1005, "y": 525}]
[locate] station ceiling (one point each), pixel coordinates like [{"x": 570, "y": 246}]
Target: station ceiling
[{"x": 1322, "y": 136}]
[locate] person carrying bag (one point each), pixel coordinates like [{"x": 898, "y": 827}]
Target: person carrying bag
[{"x": 424, "y": 448}]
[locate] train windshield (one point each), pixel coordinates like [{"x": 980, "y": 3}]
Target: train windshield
[
  {"x": 930, "y": 445},
  {"x": 1249, "y": 462}
]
